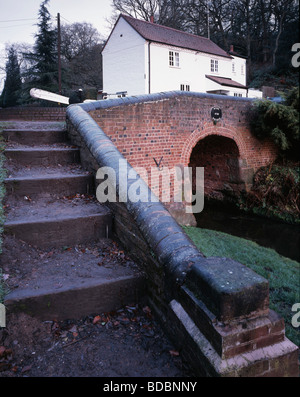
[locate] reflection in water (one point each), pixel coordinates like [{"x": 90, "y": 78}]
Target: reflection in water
[{"x": 281, "y": 237}]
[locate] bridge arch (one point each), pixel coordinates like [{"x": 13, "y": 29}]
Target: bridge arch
[
  {"x": 201, "y": 133},
  {"x": 220, "y": 151}
]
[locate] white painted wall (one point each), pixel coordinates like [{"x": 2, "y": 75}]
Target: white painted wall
[
  {"x": 191, "y": 71},
  {"x": 252, "y": 93},
  {"x": 239, "y": 73},
  {"x": 124, "y": 61}
]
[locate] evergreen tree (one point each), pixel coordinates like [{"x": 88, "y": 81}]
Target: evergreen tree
[
  {"x": 43, "y": 72},
  {"x": 13, "y": 83}
]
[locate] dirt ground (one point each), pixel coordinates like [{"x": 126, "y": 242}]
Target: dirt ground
[{"x": 126, "y": 343}]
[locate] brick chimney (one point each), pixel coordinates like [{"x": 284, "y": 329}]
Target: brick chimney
[
  {"x": 231, "y": 48},
  {"x": 152, "y": 19}
]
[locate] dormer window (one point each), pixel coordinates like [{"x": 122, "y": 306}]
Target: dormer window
[
  {"x": 214, "y": 65},
  {"x": 174, "y": 59}
]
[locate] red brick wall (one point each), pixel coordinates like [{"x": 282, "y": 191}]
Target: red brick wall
[
  {"x": 172, "y": 127},
  {"x": 33, "y": 114}
]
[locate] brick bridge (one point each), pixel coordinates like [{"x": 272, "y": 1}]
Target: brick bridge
[
  {"x": 177, "y": 129},
  {"x": 215, "y": 310}
]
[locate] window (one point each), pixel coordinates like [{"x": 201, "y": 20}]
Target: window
[
  {"x": 214, "y": 65},
  {"x": 242, "y": 69},
  {"x": 184, "y": 87},
  {"x": 174, "y": 59},
  {"x": 233, "y": 67}
]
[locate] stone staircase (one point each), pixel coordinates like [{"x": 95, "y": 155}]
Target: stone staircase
[{"x": 58, "y": 254}]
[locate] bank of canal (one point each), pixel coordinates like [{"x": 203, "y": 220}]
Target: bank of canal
[{"x": 284, "y": 238}]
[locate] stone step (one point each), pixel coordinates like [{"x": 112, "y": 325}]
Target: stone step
[
  {"x": 69, "y": 283},
  {"x": 59, "y": 184},
  {"x": 34, "y": 137},
  {"x": 58, "y": 222},
  {"x": 42, "y": 156},
  {"x": 79, "y": 299}
]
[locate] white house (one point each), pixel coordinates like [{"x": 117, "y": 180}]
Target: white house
[{"x": 142, "y": 57}]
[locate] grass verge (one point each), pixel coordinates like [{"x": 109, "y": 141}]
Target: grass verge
[{"x": 282, "y": 273}]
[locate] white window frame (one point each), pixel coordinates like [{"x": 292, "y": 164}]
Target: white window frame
[
  {"x": 214, "y": 65},
  {"x": 185, "y": 87},
  {"x": 174, "y": 59}
]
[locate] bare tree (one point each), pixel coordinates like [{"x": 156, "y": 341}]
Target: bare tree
[
  {"x": 81, "y": 46},
  {"x": 282, "y": 10},
  {"x": 77, "y": 38},
  {"x": 164, "y": 12}
]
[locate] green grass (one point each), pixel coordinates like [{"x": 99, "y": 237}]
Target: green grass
[{"x": 282, "y": 273}]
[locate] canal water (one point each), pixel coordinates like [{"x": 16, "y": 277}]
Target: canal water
[{"x": 282, "y": 237}]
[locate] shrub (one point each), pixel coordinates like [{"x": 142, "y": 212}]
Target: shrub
[
  {"x": 275, "y": 193},
  {"x": 278, "y": 121}
]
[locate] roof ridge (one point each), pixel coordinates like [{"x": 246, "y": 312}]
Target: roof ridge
[
  {"x": 166, "y": 27},
  {"x": 154, "y": 32}
]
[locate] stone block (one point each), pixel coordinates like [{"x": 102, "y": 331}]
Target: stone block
[{"x": 229, "y": 289}]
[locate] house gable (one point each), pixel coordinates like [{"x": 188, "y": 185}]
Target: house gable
[{"x": 124, "y": 65}]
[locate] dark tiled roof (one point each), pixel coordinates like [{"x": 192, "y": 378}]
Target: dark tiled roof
[
  {"x": 165, "y": 35},
  {"x": 226, "y": 81}
]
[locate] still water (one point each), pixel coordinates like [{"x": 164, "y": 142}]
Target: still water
[{"x": 282, "y": 237}]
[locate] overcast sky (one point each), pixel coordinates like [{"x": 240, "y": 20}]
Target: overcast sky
[{"x": 18, "y": 18}]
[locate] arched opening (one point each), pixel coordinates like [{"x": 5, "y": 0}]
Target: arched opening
[{"x": 220, "y": 158}]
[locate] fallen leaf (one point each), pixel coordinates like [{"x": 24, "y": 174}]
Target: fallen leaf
[
  {"x": 73, "y": 329},
  {"x": 26, "y": 369},
  {"x": 96, "y": 319},
  {"x": 174, "y": 353}
]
